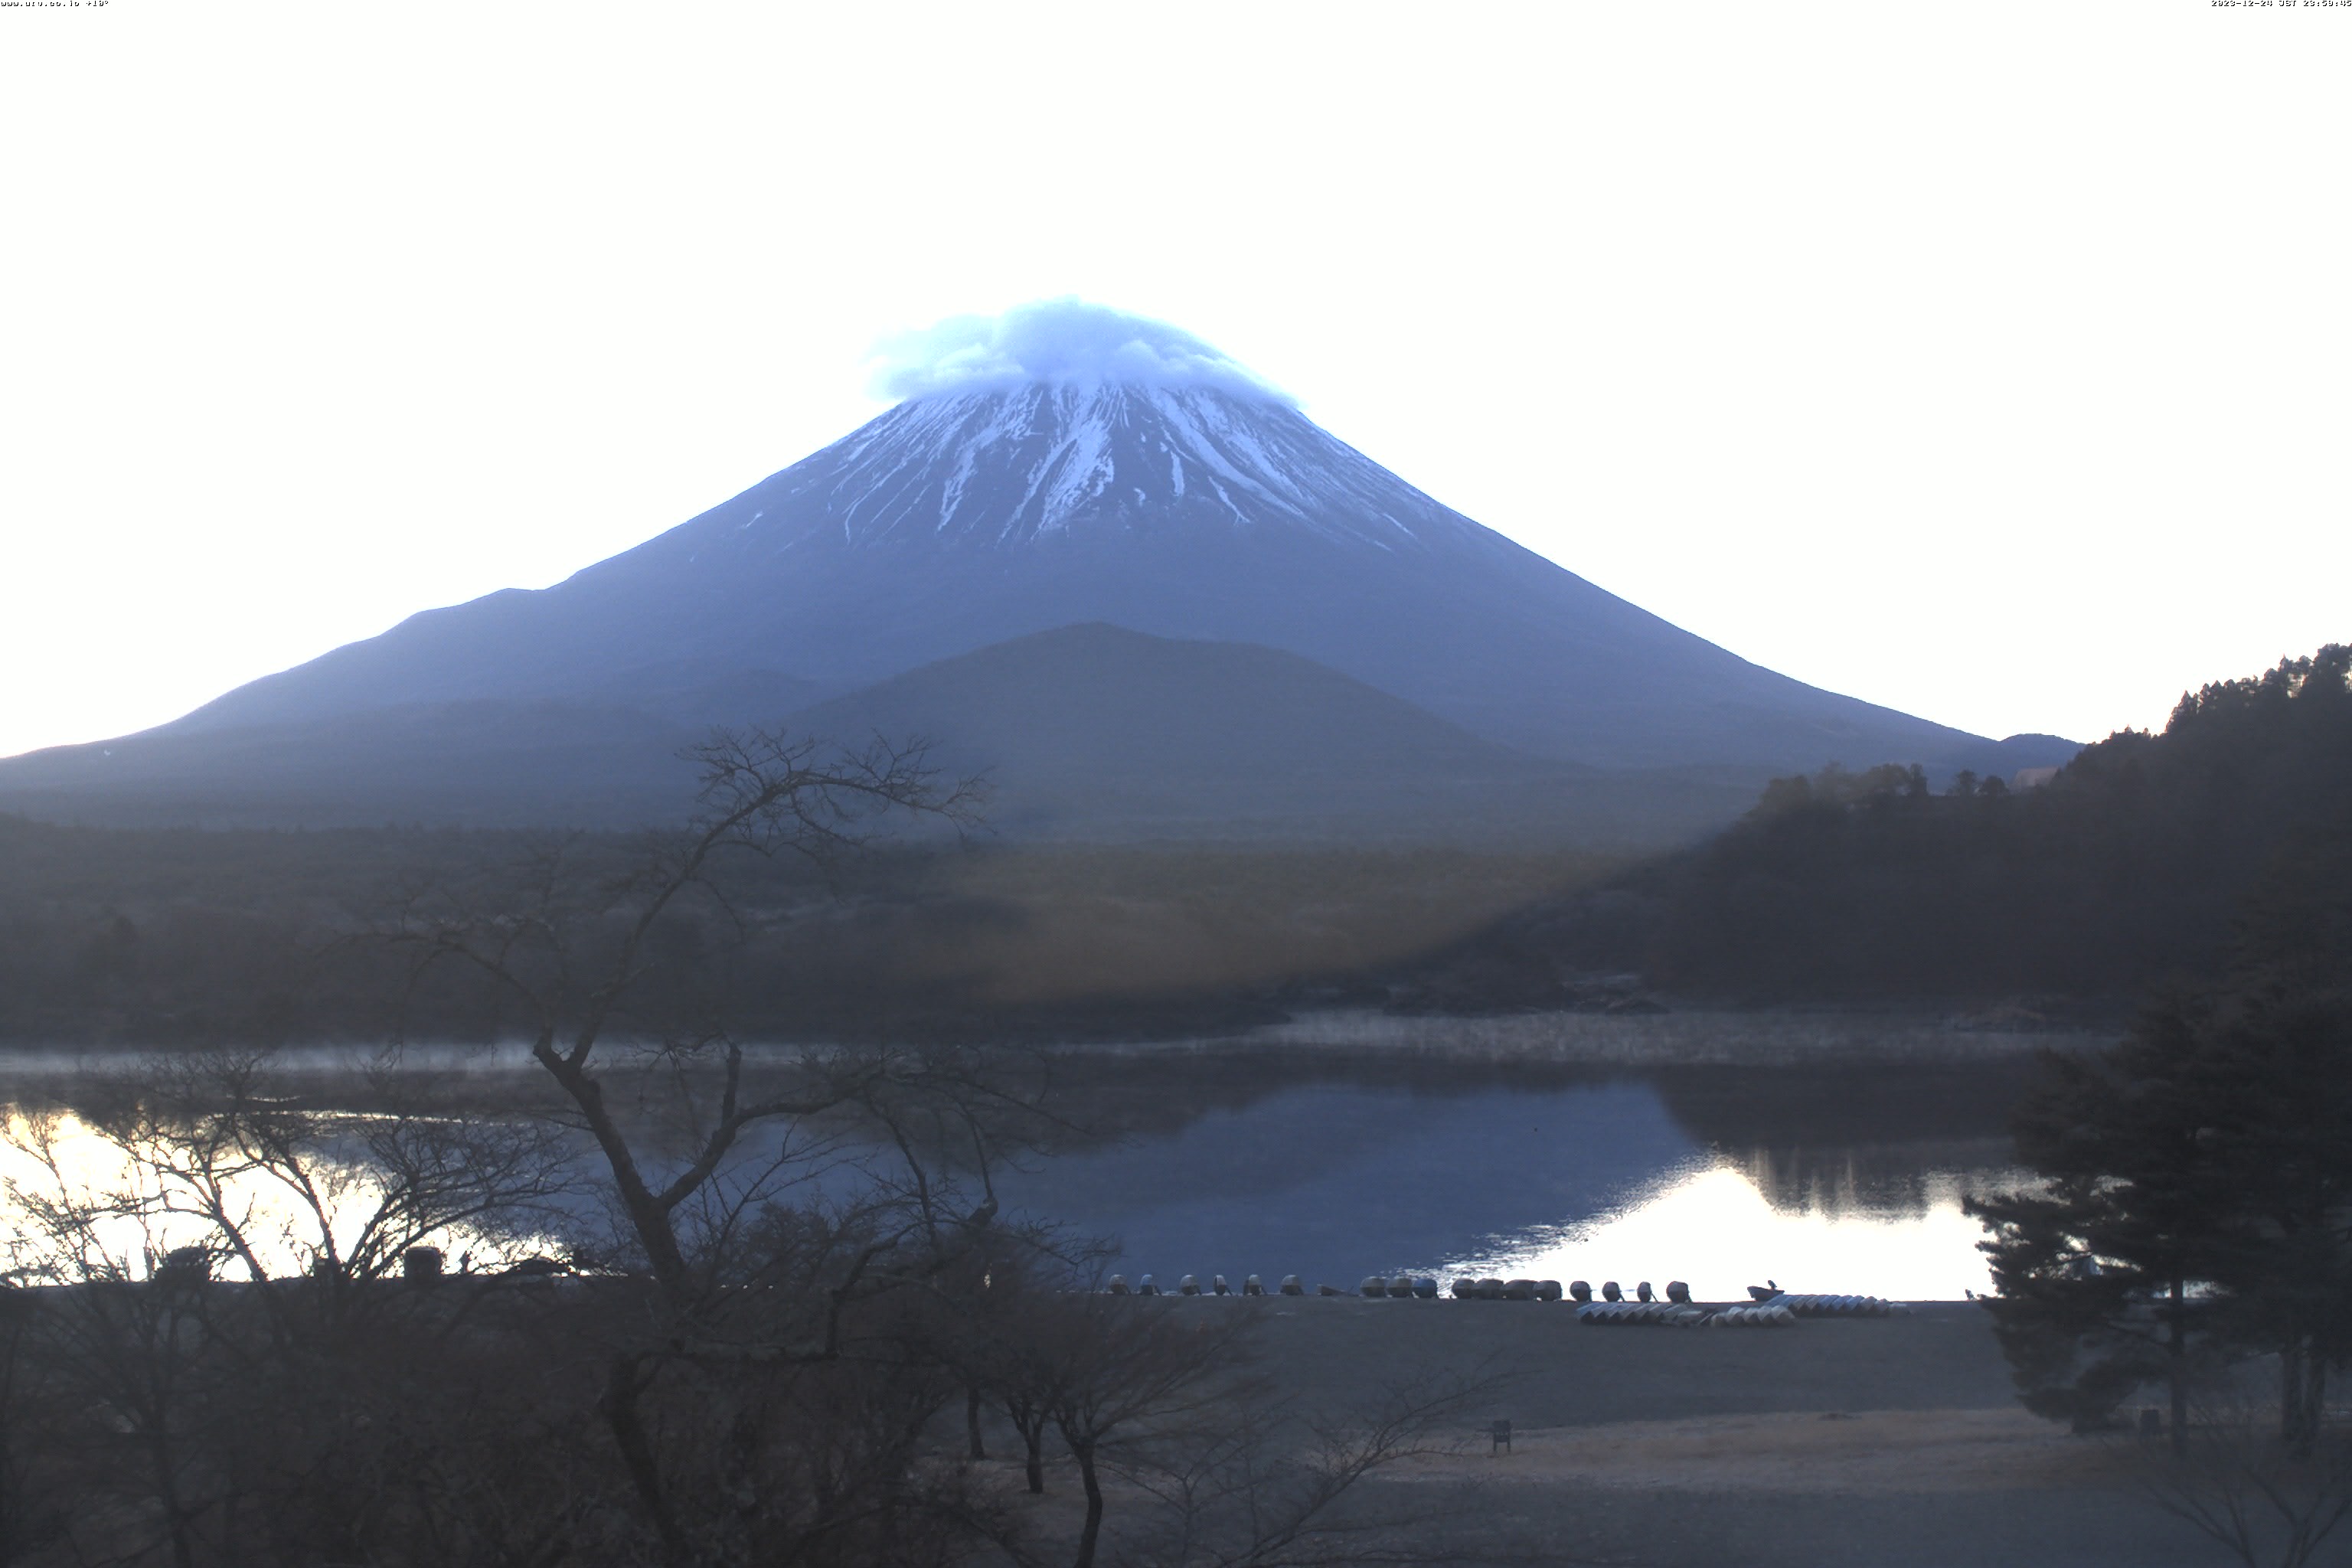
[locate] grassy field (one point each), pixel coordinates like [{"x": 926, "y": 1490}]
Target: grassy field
[
  {"x": 1068, "y": 922},
  {"x": 1835, "y": 1444}
]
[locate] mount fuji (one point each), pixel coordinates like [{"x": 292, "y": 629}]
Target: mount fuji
[{"x": 1061, "y": 466}]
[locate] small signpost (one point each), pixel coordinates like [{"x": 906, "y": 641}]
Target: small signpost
[{"x": 1502, "y": 1437}]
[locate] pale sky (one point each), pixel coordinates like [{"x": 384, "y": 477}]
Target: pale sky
[{"x": 1986, "y": 361}]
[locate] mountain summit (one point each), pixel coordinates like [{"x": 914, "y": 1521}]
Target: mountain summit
[
  {"x": 1063, "y": 466},
  {"x": 1024, "y": 464}
]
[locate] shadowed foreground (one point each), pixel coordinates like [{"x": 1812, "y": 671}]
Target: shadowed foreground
[{"x": 1856, "y": 1442}]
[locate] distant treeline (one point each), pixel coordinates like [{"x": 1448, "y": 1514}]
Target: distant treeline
[
  {"x": 194, "y": 937},
  {"x": 109, "y": 934},
  {"x": 205, "y": 937},
  {"x": 2142, "y": 861}
]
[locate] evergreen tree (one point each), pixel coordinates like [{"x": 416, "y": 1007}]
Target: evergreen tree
[
  {"x": 2096, "y": 1272},
  {"x": 2198, "y": 1199},
  {"x": 2278, "y": 1077}
]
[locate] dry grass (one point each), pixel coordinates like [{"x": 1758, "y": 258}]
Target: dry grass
[
  {"x": 1068, "y": 922},
  {"x": 1874, "y": 1451}
]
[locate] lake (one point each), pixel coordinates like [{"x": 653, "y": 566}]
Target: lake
[
  {"x": 1271, "y": 1158},
  {"x": 1845, "y": 1179}
]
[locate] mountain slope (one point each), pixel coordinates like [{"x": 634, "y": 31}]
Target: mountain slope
[
  {"x": 1095, "y": 731},
  {"x": 958, "y": 520},
  {"x": 1062, "y": 467},
  {"x": 477, "y": 762},
  {"x": 1086, "y": 732},
  {"x": 1097, "y": 698}
]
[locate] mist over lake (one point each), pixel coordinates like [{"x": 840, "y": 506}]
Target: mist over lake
[{"x": 1344, "y": 1159}]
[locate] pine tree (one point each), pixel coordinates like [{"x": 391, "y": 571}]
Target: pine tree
[
  {"x": 2097, "y": 1273},
  {"x": 2197, "y": 1198}
]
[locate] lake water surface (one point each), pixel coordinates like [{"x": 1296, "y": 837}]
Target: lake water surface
[
  {"x": 1847, "y": 1180},
  {"x": 1333, "y": 1165}
]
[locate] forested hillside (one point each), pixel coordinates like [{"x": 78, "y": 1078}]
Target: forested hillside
[
  {"x": 181, "y": 936},
  {"x": 2143, "y": 860},
  {"x": 2136, "y": 864}
]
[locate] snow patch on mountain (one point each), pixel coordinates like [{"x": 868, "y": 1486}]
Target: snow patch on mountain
[
  {"x": 1057, "y": 341},
  {"x": 1000, "y": 466}
]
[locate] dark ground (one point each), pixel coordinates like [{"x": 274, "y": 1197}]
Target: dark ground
[{"x": 1832, "y": 1443}]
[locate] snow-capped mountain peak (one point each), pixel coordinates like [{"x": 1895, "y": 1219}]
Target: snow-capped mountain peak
[
  {"x": 1062, "y": 420},
  {"x": 1012, "y": 465},
  {"x": 1057, "y": 342},
  {"x": 1063, "y": 466}
]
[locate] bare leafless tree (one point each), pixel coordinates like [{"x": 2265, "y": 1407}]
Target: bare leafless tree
[
  {"x": 806, "y": 1217},
  {"x": 803, "y": 1268},
  {"x": 1265, "y": 1485},
  {"x": 209, "y": 1262},
  {"x": 2265, "y": 1497},
  {"x": 577, "y": 952},
  {"x": 1165, "y": 1413},
  {"x": 286, "y": 1188},
  {"x": 1127, "y": 1367}
]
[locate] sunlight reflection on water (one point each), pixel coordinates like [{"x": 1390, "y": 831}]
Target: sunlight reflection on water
[
  {"x": 77, "y": 1202},
  {"x": 1848, "y": 1182},
  {"x": 1708, "y": 1223}
]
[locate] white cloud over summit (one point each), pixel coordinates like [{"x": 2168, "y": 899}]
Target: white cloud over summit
[{"x": 1056, "y": 341}]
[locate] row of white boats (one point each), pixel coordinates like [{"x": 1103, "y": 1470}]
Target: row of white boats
[{"x": 1770, "y": 1306}]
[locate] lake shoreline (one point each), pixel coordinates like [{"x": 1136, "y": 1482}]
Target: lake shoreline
[{"x": 1697, "y": 1038}]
